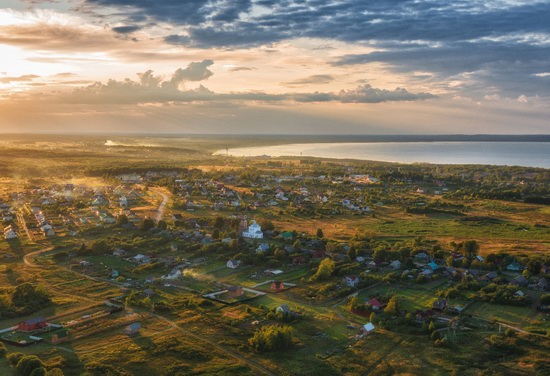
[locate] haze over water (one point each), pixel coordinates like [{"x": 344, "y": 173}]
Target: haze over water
[{"x": 530, "y": 154}]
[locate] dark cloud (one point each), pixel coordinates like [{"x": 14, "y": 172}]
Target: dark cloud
[
  {"x": 239, "y": 69},
  {"x": 317, "y": 79},
  {"x": 126, "y": 29},
  {"x": 491, "y": 39}
]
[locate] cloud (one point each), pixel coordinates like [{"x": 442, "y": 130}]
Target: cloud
[
  {"x": 126, "y": 29},
  {"x": 503, "y": 42},
  {"x": 368, "y": 94},
  {"x": 317, "y": 79},
  {"x": 156, "y": 89},
  {"x": 24, "y": 78},
  {"x": 239, "y": 69}
]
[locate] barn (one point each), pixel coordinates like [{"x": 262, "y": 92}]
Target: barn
[{"x": 32, "y": 324}]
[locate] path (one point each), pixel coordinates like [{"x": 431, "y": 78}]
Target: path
[
  {"x": 162, "y": 206},
  {"x": 383, "y": 357},
  {"x": 27, "y": 259}
]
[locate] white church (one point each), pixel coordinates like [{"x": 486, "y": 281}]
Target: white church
[{"x": 254, "y": 231}]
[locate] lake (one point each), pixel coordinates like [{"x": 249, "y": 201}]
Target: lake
[{"x": 530, "y": 154}]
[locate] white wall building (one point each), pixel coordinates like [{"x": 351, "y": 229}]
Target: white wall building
[{"x": 254, "y": 231}]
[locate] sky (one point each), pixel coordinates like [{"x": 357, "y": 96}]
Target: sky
[{"x": 275, "y": 67}]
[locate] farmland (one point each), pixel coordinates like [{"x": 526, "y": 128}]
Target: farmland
[{"x": 455, "y": 256}]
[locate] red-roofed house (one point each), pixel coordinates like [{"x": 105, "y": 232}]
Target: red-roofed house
[
  {"x": 32, "y": 324},
  {"x": 351, "y": 280}
]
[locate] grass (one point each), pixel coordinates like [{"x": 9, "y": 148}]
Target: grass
[{"x": 521, "y": 317}]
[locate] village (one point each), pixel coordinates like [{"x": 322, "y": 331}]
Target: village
[{"x": 258, "y": 250}]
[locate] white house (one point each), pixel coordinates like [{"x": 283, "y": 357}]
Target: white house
[
  {"x": 233, "y": 264},
  {"x": 123, "y": 201},
  {"x": 254, "y": 231},
  {"x": 10, "y": 233}
]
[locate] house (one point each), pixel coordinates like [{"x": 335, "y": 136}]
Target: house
[
  {"x": 542, "y": 284},
  {"x": 395, "y": 265},
  {"x": 254, "y": 231},
  {"x": 519, "y": 294},
  {"x": 32, "y": 324},
  {"x": 119, "y": 252},
  {"x": 132, "y": 328},
  {"x": 480, "y": 258},
  {"x": 421, "y": 257},
  {"x": 433, "y": 266},
  {"x": 148, "y": 293},
  {"x": 514, "y": 267},
  {"x": 489, "y": 276},
  {"x": 439, "y": 305},
  {"x": 375, "y": 304},
  {"x": 351, "y": 280},
  {"x": 235, "y": 291},
  {"x": 10, "y": 233},
  {"x": 299, "y": 260},
  {"x": 262, "y": 248},
  {"x": 48, "y": 230},
  {"x": 287, "y": 235},
  {"x": 174, "y": 274},
  {"x": 123, "y": 201},
  {"x": 59, "y": 337},
  {"x": 233, "y": 264},
  {"x": 519, "y": 281},
  {"x": 141, "y": 259},
  {"x": 277, "y": 286},
  {"x": 85, "y": 263},
  {"x": 368, "y": 328},
  {"x": 283, "y": 308}
]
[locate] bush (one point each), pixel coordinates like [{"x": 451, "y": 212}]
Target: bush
[
  {"x": 271, "y": 338},
  {"x": 3, "y": 350}
]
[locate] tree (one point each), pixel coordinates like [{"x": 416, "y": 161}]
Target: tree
[
  {"x": 121, "y": 220},
  {"x": 147, "y": 224},
  {"x": 392, "y": 307},
  {"x": 324, "y": 271},
  {"x": 271, "y": 338},
  {"x": 534, "y": 266},
  {"x": 372, "y": 317},
  {"x": 3, "y": 350},
  {"x": 162, "y": 225},
  {"x": 320, "y": 233},
  {"x": 216, "y": 234},
  {"x": 470, "y": 249},
  {"x": 55, "y": 372},
  {"x": 27, "y": 364}
]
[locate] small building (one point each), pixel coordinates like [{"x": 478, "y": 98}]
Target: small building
[
  {"x": 263, "y": 247},
  {"x": 351, "y": 280},
  {"x": 132, "y": 328},
  {"x": 519, "y": 281},
  {"x": 10, "y": 233},
  {"x": 59, "y": 337},
  {"x": 439, "y": 305},
  {"x": 368, "y": 328},
  {"x": 254, "y": 231},
  {"x": 375, "y": 304},
  {"x": 395, "y": 265},
  {"x": 514, "y": 267},
  {"x": 119, "y": 252},
  {"x": 235, "y": 291},
  {"x": 277, "y": 286},
  {"x": 233, "y": 264},
  {"x": 283, "y": 308},
  {"x": 31, "y": 325}
]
